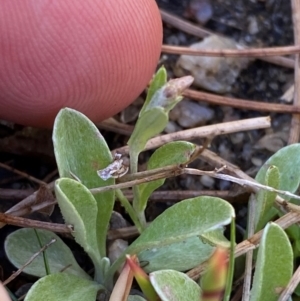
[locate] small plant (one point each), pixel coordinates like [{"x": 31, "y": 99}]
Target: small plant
[{"x": 182, "y": 237}]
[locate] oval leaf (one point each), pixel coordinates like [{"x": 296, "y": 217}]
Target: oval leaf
[
  {"x": 173, "y": 285},
  {"x": 63, "y": 287},
  {"x": 178, "y": 152},
  {"x": 191, "y": 217},
  {"x": 287, "y": 160},
  {"x": 58, "y": 254},
  {"x": 80, "y": 150},
  {"x": 274, "y": 266},
  {"x": 79, "y": 209},
  {"x": 179, "y": 256}
]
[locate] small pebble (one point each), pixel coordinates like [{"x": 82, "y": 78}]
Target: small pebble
[
  {"x": 207, "y": 181},
  {"x": 252, "y": 25},
  {"x": 237, "y": 138},
  {"x": 215, "y": 74},
  {"x": 171, "y": 127},
  {"x": 199, "y": 10},
  {"x": 189, "y": 114},
  {"x": 257, "y": 161},
  {"x": 116, "y": 249}
]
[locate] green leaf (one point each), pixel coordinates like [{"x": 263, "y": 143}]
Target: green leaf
[
  {"x": 79, "y": 209},
  {"x": 180, "y": 256},
  {"x": 189, "y": 218},
  {"x": 159, "y": 79},
  {"x": 287, "y": 160},
  {"x": 150, "y": 123},
  {"x": 171, "y": 153},
  {"x": 80, "y": 150},
  {"x": 274, "y": 266},
  {"x": 22, "y": 244},
  {"x": 265, "y": 199},
  {"x": 173, "y": 285},
  {"x": 63, "y": 287}
]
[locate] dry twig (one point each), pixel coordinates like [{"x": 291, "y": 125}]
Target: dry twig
[
  {"x": 253, "y": 52},
  {"x": 32, "y": 258},
  {"x": 240, "y": 103}
]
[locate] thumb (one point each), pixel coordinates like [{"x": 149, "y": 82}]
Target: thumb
[{"x": 95, "y": 56}]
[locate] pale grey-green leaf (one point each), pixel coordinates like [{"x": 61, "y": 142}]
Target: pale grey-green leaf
[
  {"x": 63, "y": 287},
  {"x": 287, "y": 160},
  {"x": 79, "y": 209},
  {"x": 150, "y": 123},
  {"x": 173, "y": 285},
  {"x": 178, "y": 152},
  {"x": 189, "y": 218},
  {"x": 274, "y": 266},
  {"x": 22, "y": 244},
  {"x": 159, "y": 79},
  {"x": 180, "y": 256},
  {"x": 80, "y": 150}
]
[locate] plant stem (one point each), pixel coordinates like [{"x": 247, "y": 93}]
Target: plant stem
[
  {"x": 45, "y": 258},
  {"x": 230, "y": 272},
  {"x": 140, "y": 214},
  {"x": 132, "y": 213}
]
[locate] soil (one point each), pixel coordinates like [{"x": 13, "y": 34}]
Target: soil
[{"x": 254, "y": 23}]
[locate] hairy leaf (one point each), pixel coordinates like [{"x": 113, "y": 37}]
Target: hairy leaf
[
  {"x": 80, "y": 150},
  {"x": 58, "y": 254}
]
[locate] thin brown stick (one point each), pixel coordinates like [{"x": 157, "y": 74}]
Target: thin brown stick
[
  {"x": 185, "y": 26},
  {"x": 115, "y": 126},
  {"x": 205, "y": 131},
  {"x": 280, "y": 61},
  {"x": 14, "y": 194},
  {"x": 200, "y": 32},
  {"x": 295, "y": 123},
  {"x": 32, "y": 258},
  {"x": 27, "y": 202},
  {"x": 178, "y": 195},
  {"x": 29, "y": 223},
  {"x": 254, "y": 52},
  {"x": 240, "y": 103},
  {"x": 22, "y": 174}
]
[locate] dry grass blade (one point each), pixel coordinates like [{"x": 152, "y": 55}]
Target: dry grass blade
[
  {"x": 22, "y": 174},
  {"x": 205, "y": 131},
  {"x": 240, "y": 103},
  {"x": 29, "y": 223},
  {"x": 255, "y": 52}
]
